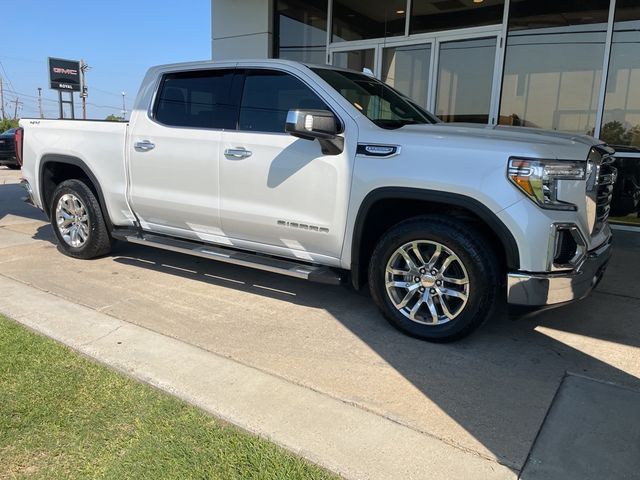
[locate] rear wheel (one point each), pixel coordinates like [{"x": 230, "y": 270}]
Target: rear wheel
[
  {"x": 14, "y": 167},
  {"x": 78, "y": 222},
  {"x": 434, "y": 278}
]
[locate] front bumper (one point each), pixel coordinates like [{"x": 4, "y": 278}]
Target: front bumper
[{"x": 541, "y": 289}]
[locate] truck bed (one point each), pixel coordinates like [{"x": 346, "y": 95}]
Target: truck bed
[{"x": 100, "y": 145}]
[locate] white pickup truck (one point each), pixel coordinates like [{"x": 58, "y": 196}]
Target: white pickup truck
[{"x": 330, "y": 175}]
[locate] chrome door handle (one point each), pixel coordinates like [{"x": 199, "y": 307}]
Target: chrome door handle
[
  {"x": 237, "y": 153},
  {"x": 144, "y": 145}
]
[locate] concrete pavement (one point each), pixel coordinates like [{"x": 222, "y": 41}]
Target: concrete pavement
[
  {"x": 486, "y": 396},
  {"x": 339, "y": 436}
]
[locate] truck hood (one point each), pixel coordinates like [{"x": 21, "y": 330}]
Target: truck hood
[{"x": 516, "y": 140}]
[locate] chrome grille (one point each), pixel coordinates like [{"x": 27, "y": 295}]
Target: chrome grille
[
  {"x": 600, "y": 186},
  {"x": 606, "y": 179}
]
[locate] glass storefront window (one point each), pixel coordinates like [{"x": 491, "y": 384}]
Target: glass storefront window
[
  {"x": 552, "y": 80},
  {"x": 465, "y": 76},
  {"x": 621, "y": 118},
  {"x": 407, "y": 70},
  {"x": 435, "y": 15},
  {"x": 356, "y": 60},
  {"x": 553, "y": 64},
  {"x": 301, "y": 33},
  {"x": 359, "y": 20}
]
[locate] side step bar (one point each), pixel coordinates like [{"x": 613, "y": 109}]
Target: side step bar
[{"x": 290, "y": 268}]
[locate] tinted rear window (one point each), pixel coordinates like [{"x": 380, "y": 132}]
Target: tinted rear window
[{"x": 200, "y": 99}]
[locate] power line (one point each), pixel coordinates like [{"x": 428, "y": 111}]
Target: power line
[
  {"x": 6, "y": 75},
  {"x": 106, "y": 91},
  {"x": 114, "y": 107}
]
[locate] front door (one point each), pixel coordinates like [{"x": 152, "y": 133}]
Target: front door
[
  {"x": 174, "y": 153},
  {"x": 278, "y": 190}
]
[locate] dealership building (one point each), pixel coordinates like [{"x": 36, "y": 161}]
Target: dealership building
[{"x": 569, "y": 65}]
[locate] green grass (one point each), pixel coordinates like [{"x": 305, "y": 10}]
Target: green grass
[{"x": 64, "y": 416}]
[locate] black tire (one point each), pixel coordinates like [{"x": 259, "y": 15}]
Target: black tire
[
  {"x": 14, "y": 167},
  {"x": 476, "y": 258},
  {"x": 98, "y": 242}
]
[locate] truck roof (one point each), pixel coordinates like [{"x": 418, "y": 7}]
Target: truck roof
[{"x": 244, "y": 62}]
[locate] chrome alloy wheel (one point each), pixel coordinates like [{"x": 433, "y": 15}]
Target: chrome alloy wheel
[
  {"x": 427, "y": 282},
  {"x": 72, "y": 220}
]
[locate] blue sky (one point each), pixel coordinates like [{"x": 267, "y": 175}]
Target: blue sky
[{"x": 119, "y": 39}]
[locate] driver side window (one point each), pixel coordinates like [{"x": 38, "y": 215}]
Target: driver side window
[{"x": 268, "y": 96}]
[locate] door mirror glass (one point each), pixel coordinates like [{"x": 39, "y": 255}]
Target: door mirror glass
[{"x": 311, "y": 124}]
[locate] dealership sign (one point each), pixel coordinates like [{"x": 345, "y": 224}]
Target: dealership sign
[{"x": 64, "y": 75}]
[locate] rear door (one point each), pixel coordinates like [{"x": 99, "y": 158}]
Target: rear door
[{"x": 174, "y": 153}]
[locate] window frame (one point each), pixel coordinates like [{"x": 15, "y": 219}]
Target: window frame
[{"x": 159, "y": 86}]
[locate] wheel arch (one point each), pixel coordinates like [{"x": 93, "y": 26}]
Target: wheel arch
[
  {"x": 55, "y": 169},
  {"x": 421, "y": 201}
]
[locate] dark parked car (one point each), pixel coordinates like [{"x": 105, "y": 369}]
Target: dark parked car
[{"x": 8, "y": 149}]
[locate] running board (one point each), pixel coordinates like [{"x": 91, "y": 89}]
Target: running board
[{"x": 312, "y": 273}]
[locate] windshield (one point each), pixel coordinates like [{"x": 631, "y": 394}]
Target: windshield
[
  {"x": 10, "y": 131},
  {"x": 380, "y": 103}
]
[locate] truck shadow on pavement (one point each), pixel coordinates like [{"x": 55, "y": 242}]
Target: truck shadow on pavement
[
  {"x": 10, "y": 207},
  {"x": 497, "y": 384}
]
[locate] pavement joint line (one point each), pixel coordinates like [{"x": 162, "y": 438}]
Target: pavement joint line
[
  {"x": 609, "y": 383},
  {"x": 604, "y": 292},
  {"x": 110, "y": 332},
  {"x": 544, "y": 419},
  {"x": 159, "y": 384}
]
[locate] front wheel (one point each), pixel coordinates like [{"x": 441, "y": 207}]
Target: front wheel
[
  {"x": 78, "y": 222},
  {"x": 434, "y": 278}
]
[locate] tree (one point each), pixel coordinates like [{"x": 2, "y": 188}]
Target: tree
[
  {"x": 613, "y": 133},
  {"x": 632, "y": 136},
  {"x": 114, "y": 118},
  {"x": 7, "y": 123}
]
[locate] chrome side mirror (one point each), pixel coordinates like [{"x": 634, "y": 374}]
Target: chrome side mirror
[
  {"x": 320, "y": 124},
  {"x": 311, "y": 124}
]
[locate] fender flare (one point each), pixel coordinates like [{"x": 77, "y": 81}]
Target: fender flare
[
  {"x": 507, "y": 240},
  {"x": 75, "y": 161}
]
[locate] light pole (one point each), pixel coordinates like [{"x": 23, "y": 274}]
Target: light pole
[
  {"x": 84, "y": 90},
  {"x": 40, "y": 102},
  {"x": 124, "y": 108}
]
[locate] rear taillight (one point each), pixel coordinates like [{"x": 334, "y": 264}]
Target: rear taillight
[{"x": 19, "y": 142}]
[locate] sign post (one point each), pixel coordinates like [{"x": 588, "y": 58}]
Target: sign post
[{"x": 65, "y": 76}]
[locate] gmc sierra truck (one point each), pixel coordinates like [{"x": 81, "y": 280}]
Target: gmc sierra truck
[{"x": 332, "y": 176}]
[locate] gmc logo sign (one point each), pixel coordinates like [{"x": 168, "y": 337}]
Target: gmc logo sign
[
  {"x": 65, "y": 74},
  {"x": 65, "y": 71}
]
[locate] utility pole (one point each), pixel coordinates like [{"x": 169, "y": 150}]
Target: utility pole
[
  {"x": 40, "y": 102},
  {"x": 124, "y": 108},
  {"x": 84, "y": 92},
  {"x": 16, "y": 102},
  {"x": 2, "y": 100}
]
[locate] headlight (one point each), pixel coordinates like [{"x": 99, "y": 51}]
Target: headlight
[{"x": 538, "y": 179}]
